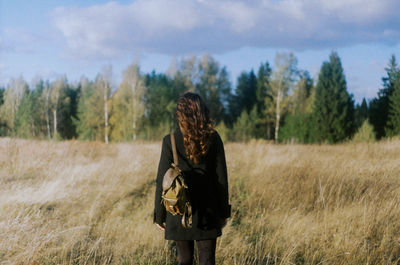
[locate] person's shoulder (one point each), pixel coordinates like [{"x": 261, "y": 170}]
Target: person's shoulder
[
  {"x": 216, "y": 137},
  {"x": 166, "y": 139}
]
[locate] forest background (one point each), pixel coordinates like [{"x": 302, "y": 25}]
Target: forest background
[{"x": 278, "y": 102}]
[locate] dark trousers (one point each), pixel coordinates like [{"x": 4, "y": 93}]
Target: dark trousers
[{"x": 205, "y": 250}]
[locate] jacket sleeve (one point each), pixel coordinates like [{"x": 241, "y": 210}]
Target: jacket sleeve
[
  {"x": 224, "y": 208},
  {"x": 164, "y": 164}
]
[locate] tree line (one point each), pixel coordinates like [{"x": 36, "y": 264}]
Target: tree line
[{"x": 280, "y": 102}]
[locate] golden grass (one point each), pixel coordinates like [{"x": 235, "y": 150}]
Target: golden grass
[{"x": 90, "y": 203}]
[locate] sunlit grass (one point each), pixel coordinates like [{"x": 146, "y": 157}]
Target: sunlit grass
[{"x": 90, "y": 203}]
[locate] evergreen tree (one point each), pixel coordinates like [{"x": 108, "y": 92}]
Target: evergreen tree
[
  {"x": 393, "y": 124},
  {"x": 24, "y": 120},
  {"x": 245, "y": 95},
  {"x": 90, "y": 114},
  {"x": 361, "y": 113},
  {"x": 39, "y": 109},
  {"x": 297, "y": 128},
  {"x": 224, "y": 93},
  {"x": 246, "y": 91},
  {"x": 30, "y": 119},
  {"x": 244, "y": 128},
  {"x": 333, "y": 107},
  {"x": 263, "y": 95},
  {"x": 379, "y": 107},
  {"x": 2, "y": 121},
  {"x": 2, "y": 95},
  {"x": 68, "y": 112},
  {"x": 160, "y": 99},
  {"x": 263, "y": 86}
]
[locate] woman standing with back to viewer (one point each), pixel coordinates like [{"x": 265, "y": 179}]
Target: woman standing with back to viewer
[{"x": 201, "y": 158}]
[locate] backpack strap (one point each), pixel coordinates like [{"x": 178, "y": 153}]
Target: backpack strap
[{"x": 174, "y": 149}]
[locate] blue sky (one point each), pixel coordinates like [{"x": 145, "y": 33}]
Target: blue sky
[{"x": 49, "y": 38}]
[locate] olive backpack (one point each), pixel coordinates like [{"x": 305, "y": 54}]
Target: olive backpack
[{"x": 175, "y": 195}]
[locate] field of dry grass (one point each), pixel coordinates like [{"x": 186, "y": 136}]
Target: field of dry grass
[{"x": 90, "y": 203}]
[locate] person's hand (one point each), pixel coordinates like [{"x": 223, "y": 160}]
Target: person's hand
[
  {"x": 223, "y": 222},
  {"x": 161, "y": 226}
]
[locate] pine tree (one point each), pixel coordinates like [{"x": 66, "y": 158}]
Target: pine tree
[
  {"x": 2, "y": 121},
  {"x": 245, "y": 96},
  {"x": 361, "y": 113},
  {"x": 263, "y": 91},
  {"x": 224, "y": 93},
  {"x": 24, "y": 120},
  {"x": 90, "y": 114},
  {"x": 333, "y": 107},
  {"x": 393, "y": 124},
  {"x": 161, "y": 94},
  {"x": 39, "y": 110},
  {"x": 68, "y": 112},
  {"x": 2, "y": 95},
  {"x": 30, "y": 118},
  {"x": 379, "y": 106},
  {"x": 297, "y": 128},
  {"x": 244, "y": 128},
  {"x": 246, "y": 91},
  {"x": 263, "y": 86}
]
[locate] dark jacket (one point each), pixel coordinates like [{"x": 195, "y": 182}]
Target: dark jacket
[{"x": 208, "y": 190}]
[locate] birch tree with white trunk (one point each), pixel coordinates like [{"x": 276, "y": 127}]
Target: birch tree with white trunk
[
  {"x": 128, "y": 105},
  {"x": 105, "y": 83},
  {"x": 282, "y": 82},
  {"x": 46, "y": 99},
  {"x": 134, "y": 82},
  {"x": 56, "y": 89},
  {"x": 12, "y": 98}
]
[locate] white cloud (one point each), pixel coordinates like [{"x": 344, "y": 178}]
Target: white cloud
[
  {"x": 360, "y": 11},
  {"x": 182, "y": 26},
  {"x": 157, "y": 15},
  {"x": 16, "y": 40}
]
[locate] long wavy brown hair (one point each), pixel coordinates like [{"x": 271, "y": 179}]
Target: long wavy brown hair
[{"x": 196, "y": 125}]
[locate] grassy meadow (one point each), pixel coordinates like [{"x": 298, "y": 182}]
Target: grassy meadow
[{"x": 77, "y": 202}]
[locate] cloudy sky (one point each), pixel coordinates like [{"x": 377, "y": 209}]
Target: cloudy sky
[{"x": 49, "y": 38}]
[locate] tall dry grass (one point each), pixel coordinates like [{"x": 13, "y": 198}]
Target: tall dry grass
[{"x": 91, "y": 203}]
